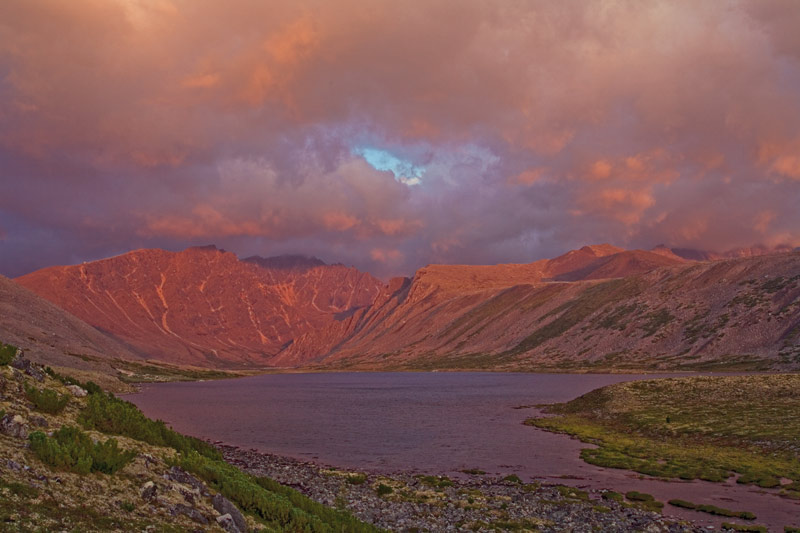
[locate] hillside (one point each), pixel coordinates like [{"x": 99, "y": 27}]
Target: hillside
[
  {"x": 735, "y": 313},
  {"x": 204, "y": 306}
]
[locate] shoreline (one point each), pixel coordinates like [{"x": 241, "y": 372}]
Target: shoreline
[{"x": 410, "y": 501}]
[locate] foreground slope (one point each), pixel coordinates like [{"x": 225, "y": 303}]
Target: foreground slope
[
  {"x": 204, "y": 306},
  {"x": 56, "y": 337},
  {"x": 741, "y": 313}
]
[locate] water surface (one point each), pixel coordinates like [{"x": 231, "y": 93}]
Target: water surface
[{"x": 440, "y": 422}]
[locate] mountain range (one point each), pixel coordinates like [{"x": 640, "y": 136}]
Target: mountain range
[{"x": 599, "y": 307}]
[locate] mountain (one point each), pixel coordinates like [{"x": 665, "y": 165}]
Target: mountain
[
  {"x": 204, "y": 306},
  {"x": 54, "y": 337},
  {"x": 663, "y": 313}
]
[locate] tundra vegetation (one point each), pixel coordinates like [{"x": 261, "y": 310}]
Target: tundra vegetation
[{"x": 708, "y": 428}]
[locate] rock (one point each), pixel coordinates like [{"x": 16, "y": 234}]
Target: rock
[
  {"x": 14, "y": 426},
  {"x": 180, "y": 475},
  {"x": 78, "y": 392},
  {"x": 39, "y": 421},
  {"x": 149, "y": 491},
  {"x": 13, "y": 465},
  {"x": 226, "y": 522},
  {"x": 224, "y": 506},
  {"x": 191, "y": 512},
  {"x": 20, "y": 363}
]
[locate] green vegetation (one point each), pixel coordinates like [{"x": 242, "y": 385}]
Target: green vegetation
[
  {"x": 46, "y": 400},
  {"x": 73, "y": 450},
  {"x": 106, "y": 413},
  {"x": 745, "y": 528},
  {"x": 383, "y": 490},
  {"x": 579, "y": 308},
  {"x": 713, "y": 509},
  {"x": 437, "y": 482},
  {"x": 19, "y": 489},
  {"x": 512, "y": 478},
  {"x": 7, "y": 353},
  {"x": 572, "y": 493},
  {"x": 691, "y": 428},
  {"x": 475, "y": 471},
  {"x": 90, "y": 386},
  {"x": 275, "y": 505},
  {"x": 791, "y": 529},
  {"x": 357, "y": 479},
  {"x": 655, "y": 321}
]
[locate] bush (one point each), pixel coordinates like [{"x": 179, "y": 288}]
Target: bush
[
  {"x": 7, "y": 353},
  {"x": 47, "y": 400},
  {"x": 71, "y": 449},
  {"x": 512, "y": 478},
  {"x": 356, "y": 479},
  {"x": 281, "y": 507},
  {"x": 383, "y": 490},
  {"x": 107, "y": 413}
]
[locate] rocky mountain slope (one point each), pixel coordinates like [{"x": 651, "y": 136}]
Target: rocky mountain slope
[
  {"x": 735, "y": 313},
  {"x": 204, "y": 306}
]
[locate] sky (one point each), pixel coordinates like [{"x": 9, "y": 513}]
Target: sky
[{"x": 389, "y": 135}]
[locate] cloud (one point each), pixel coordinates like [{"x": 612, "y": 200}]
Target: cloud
[{"x": 445, "y": 132}]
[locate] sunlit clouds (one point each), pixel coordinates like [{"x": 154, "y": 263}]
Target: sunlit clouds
[{"x": 390, "y": 135}]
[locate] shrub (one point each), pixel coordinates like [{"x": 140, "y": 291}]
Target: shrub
[
  {"x": 356, "y": 479},
  {"x": 383, "y": 490},
  {"x": 90, "y": 386},
  {"x": 107, "y": 413},
  {"x": 612, "y": 495},
  {"x": 46, "y": 400},
  {"x": 7, "y": 353},
  {"x": 281, "y": 507},
  {"x": 512, "y": 478},
  {"x": 71, "y": 449}
]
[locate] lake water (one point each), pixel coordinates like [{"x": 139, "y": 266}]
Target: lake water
[{"x": 439, "y": 422}]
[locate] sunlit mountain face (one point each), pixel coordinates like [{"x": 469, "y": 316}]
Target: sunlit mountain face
[{"x": 391, "y": 135}]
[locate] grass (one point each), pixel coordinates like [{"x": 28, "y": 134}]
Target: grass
[
  {"x": 744, "y": 527},
  {"x": 690, "y": 428},
  {"x": 570, "y": 314},
  {"x": 712, "y": 509}
]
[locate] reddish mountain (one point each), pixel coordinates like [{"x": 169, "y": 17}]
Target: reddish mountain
[
  {"x": 204, "y": 306},
  {"x": 736, "y": 313}
]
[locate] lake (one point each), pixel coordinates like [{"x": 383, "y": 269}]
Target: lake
[{"x": 438, "y": 422}]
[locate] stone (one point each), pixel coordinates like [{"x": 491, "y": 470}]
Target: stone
[
  {"x": 225, "y": 506},
  {"x": 149, "y": 491},
  {"x": 20, "y": 363},
  {"x": 180, "y": 475},
  {"x": 14, "y": 426},
  {"x": 78, "y": 392},
  {"x": 39, "y": 421},
  {"x": 226, "y": 522},
  {"x": 191, "y": 512}
]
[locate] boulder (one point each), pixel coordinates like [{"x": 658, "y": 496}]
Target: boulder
[
  {"x": 226, "y": 522},
  {"x": 180, "y": 475},
  {"x": 14, "y": 426},
  {"x": 149, "y": 491},
  {"x": 225, "y": 506},
  {"x": 78, "y": 392},
  {"x": 191, "y": 512},
  {"x": 39, "y": 421},
  {"x": 25, "y": 365}
]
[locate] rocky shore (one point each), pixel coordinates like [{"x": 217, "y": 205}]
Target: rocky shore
[{"x": 408, "y": 502}]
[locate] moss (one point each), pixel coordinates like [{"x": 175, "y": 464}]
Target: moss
[
  {"x": 717, "y": 427},
  {"x": 744, "y": 528},
  {"x": 712, "y": 509}
]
